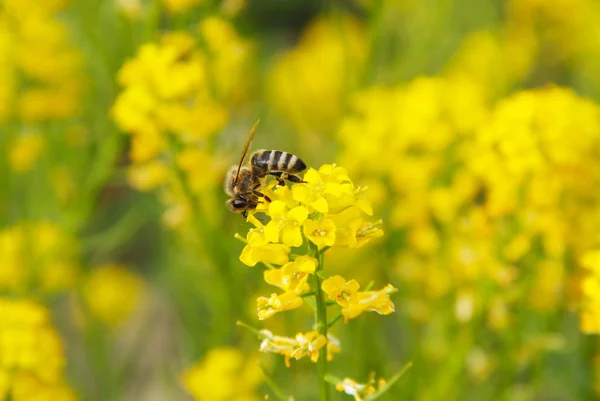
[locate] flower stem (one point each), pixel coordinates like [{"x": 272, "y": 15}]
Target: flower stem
[{"x": 324, "y": 394}]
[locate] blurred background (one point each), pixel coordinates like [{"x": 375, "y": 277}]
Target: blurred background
[{"x": 474, "y": 124}]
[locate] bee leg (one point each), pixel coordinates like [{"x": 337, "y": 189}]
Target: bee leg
[
  {"x": 260, "y": 194},
  {"x": 295, "y": 179},
  {"x": 245, "y": 214},
  {"x": 281, "y": 176}
]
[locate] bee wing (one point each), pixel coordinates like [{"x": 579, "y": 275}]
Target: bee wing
[{"x": 246, "y": 148}]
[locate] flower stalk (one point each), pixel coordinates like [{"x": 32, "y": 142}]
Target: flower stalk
[
  {"x": 322, "y": 328},
  {"x": 299, "y": 225}
]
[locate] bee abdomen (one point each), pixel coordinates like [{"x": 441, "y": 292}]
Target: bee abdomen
[{"x": 276, "y": 160}]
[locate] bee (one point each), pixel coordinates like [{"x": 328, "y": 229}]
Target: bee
[{"x": 243, "y": 183}]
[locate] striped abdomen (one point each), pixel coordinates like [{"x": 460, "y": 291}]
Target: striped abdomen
[{"x": 265, "y": 161}]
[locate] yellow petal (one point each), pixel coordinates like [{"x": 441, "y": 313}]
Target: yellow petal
[
  {"x": 298, "y": 214},
  {"x": 291, "y": 236},
  {"x": 277, "y": 208},
  {"x": 320, "y": 205},
  {"x": 332, "y": 286},
  {"x": 271, "y": 231},
  {"x": 301, "y": 193}
]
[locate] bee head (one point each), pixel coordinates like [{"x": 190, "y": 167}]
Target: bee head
[{"x": 241, "y": 204}]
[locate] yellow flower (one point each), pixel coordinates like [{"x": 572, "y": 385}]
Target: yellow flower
[
  {"x": 590, "y": 289},
  {"x": 25, "y": 151},
  {"x": 38, "y": 92},
  {"x": 277, "y": 254},
  {"x": 304, "y": 344},
  {"x": 223, "y": 374},
  {"x": 320, "y": 232},
  {"x": 293, "y": 276},
  {"x": 268, "y": 307},
  {"x": 337, "y": 289},
  {"x": 39, "y": 254},
  {"x": 355, "y": 389},
  {"x": 112, "y": 293},
  {"x": 311, "y": 95},
  {"x": 357, "y": 232},
  {"x": 31, "y": 388},
  {"x": 258, "y": 249},
  {"x": 229, "y": 61},
  {"x": 285, "y": 223},
  {"x": 147, "y": 176},
  {"x": 355, "y": 302},
  {"x": 31, "y": 354},
  {"x": 324, "y": 189},
  {"x": 373, "y": 301},
  {"x": 180, "y": 6}
]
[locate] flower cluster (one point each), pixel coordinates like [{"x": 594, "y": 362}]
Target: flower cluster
[
  {"x": 175, "y": 99},
  {"x": 37, "y": 257},
  {"x": 492, "y": 202},
  {"x": 31, "y": 354},
  {"x": 223, "y": 374},
  {"x": 326, "y": 210},
  {"x": 311, "y": 95},
  {"x": 30, "y": 89},
  {"x": 301, "y": 223}
]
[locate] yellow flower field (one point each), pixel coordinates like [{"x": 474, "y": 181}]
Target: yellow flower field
[{"x": 415, "y": 215}]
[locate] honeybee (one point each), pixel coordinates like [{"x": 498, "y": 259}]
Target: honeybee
[{"x": 243, "y": 183}]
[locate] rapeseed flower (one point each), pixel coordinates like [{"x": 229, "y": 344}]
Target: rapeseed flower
[
  {"x": 304, "y": 344},
  {"x": 25, "y": 151},
  {"x": 292, "y": 276},
  {"x": 50, "y": 90},
  {"x": 285, "y": 223},
  {"x": 360, "y": 391},
  {"x": 175, "y": 99},
  {"x": 180, "y": 6},
  {"x": 326, "y": 202},
  {"x": 590, "y": 289},
  {"x": 276, "y": 303},
  {"x": 298, "y": 227},
  {"x": 354, "y": 302},
  {"x": 224, "y": 374},
  {"x": 311, "y": 95},
  {"x": 112, "y": 293},
  {"x": 31, "y": 353},
  {"x": 37, "y": 256}
]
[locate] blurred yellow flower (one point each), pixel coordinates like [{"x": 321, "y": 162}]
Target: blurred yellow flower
[
  {"x": 49, "y": 90},
  {"x": 112, "y": 293},
  {"x": 25, "y": 151},
  {"x": 37, "y": 256},
  {"x": 358, "y": 390},
  {"x": 180, "y": 6},
  {"x": 31, "y": 354},
  {"x": 148, "y": 176},
  {"x": 222, "y": 375},
  {"x": 311, "y": 94}
]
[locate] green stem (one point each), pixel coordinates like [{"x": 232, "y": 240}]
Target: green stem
[
  {"x": 321, "y": 308},
  {"x": 334, "y": 320}
]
